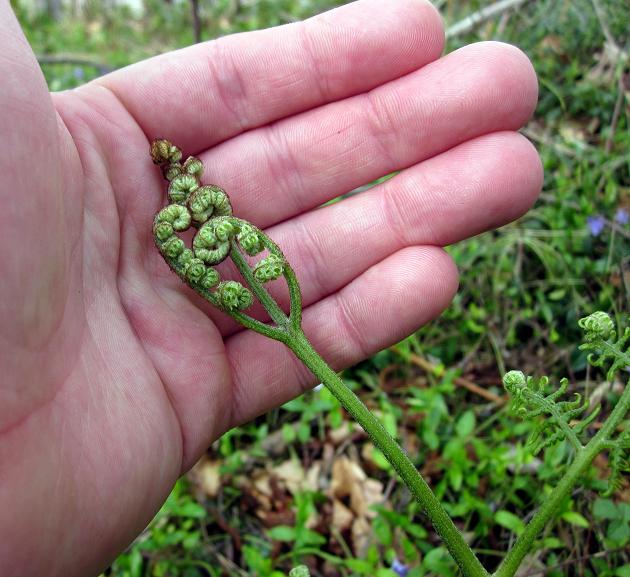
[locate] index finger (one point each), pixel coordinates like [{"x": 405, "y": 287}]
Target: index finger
[{"x": 204, "y": 94}]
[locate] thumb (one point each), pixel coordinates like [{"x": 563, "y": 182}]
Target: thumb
[{"x": 34, "y": 253}]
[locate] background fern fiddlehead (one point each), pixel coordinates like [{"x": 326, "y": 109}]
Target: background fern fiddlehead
[{"x": 530, "y": 401}]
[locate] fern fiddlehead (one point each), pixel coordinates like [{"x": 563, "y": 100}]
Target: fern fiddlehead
[
  {"x": 219, "y": 236},
  {"x": 530, "y": 401},
  {"x": 562, "y": 418},
  {"x": 562, "y": 422}
]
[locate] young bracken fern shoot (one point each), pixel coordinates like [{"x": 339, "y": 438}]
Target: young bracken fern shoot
[
  {"x": 561, "y": 420},
  {"x": 220, "y": 236},
  {"x": 530, "y": 402}
]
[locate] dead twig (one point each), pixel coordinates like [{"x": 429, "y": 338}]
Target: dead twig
[
  {"x": 571, "y": 561},
  {"x": 196, "y": 20},
  {"x": 486, "y": 13},
  {"x": 459, "y": 381},
  {"x": 76, "y": 60},
  {"x": 616, "y": 114},
  {"x": 616, "y": 50}
]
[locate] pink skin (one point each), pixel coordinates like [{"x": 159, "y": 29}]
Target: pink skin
[{"x": 115, "y": 376}]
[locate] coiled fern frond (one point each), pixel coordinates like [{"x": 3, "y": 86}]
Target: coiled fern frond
[
  {"x": 565, "y": 419},
  {"x": 618, "y": 461},
  {"x": 529, "y": 400},
  {"x": 600, "y": 339}
]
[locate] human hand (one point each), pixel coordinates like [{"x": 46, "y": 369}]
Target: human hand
[{"x": 114, "y": 381}]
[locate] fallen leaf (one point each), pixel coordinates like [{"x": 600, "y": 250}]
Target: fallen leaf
[
  {"x": 206, "y": 477},
  {"x": 292, "y": 475},
  {"x": 345, "y": 474},
  {"x": 361, "y": 537},
  {"x": 342, "y": 517}
]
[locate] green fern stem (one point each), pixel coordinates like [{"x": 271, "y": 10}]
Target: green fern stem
[
  {"x": 459, "y": 549},
  {"x": 583, "y": 459},
  {"x": 291, "y": 334}
]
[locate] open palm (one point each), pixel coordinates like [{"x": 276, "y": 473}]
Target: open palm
[{"x": 113, "y": 380}]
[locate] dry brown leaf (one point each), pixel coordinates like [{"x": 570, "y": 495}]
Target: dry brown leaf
[
  {"x": 292, "y": 475},
  {"x": 258, "y": 486},
  {"x": 361, "y": 537},
  {"x": 262, "y": 483},
  {"x": 345, "y": 474},
  {"x": 573, "y": 133},
  {"x": 312, "y": 480},
  {"x": 206, "y": 476},
  {"x": 364, "y": 495},
  {"x": 342, "y": 517},
  {"x": 367, "y": 453},
  {"x": 339, "y": 435}
]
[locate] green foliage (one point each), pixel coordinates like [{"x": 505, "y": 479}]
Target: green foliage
[
  {"x": 172, "y": 544},
  {"x": 300, "y": 536},
  {"x": 617, "y": 517}
]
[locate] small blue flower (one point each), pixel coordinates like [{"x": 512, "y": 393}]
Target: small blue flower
[
  {"x": 78, "y": 73},
  {"x": 400, "y": 568},
  {"x": 596, "y": 224},
  {"x": 622, "y": 216}
]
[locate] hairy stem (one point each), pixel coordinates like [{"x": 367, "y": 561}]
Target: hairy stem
[
  {"x": 275, "y": 312},
  {"x": 569, "y": 433},
  {"x": 459, "y": 549},
  {"x": 572, "y": 476},
  {"x": 617, "y": 352}
]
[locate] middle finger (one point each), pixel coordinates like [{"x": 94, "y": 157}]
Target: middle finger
[{"x": 278, "y": 171}]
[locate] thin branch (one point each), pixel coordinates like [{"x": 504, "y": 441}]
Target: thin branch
[
  {"x": 616, "y": 114},
  {"x": 486, "y": 13},
  {"x": 74, "y": 60},
  {"x": 542, "y": 138},
  {"x": 547, "y": 570},
  {"x": 601, "y": 17},
  {"x": 460, "y": 381},
  {"x": 196, "y": 20}
]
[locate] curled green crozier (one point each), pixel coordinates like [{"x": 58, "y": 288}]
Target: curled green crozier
[
  {"x": 233, "y": 296},
  {"x": 181, "y": 187},
  {"x": 212, "y": 241},
  {"x": 250, "y": 240},
  {"x": 176, "y": 215},
  {"x": 208, "y": 201},
  {"x": 219, "y": 236},
  {"x": 598, "y": 326},
  {"x": 193, "y": 166},
  {"x": 195, "y": 270},
  {"x": 561, "y": 418},
  {"x": 164, "y": 152},
  {"x": 269, "y": 268}
]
